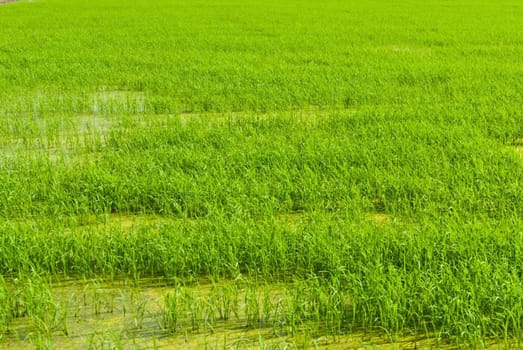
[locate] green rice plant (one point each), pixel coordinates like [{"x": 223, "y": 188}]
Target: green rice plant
[
  {"x": 366, "y": 153},
  {"x": 6, "y": 313},
  {"x": 171, "y": 312}
]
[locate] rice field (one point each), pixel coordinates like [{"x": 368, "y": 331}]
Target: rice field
[{"x": 261, "y": 174}]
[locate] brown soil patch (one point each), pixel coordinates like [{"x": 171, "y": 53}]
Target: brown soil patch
[{"x": 7, "y": 1}]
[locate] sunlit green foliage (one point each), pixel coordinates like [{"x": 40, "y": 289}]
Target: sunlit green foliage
[{"x": 365, "y": 153}]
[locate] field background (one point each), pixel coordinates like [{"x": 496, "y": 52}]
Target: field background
[{"x": 261, "y": 174}]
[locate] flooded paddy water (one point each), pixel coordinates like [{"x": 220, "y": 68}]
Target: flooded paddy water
[
  {"x": 164, "y": 314},
  {"x": 518, "y": 146}
]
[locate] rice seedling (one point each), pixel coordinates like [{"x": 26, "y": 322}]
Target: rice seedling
[{"x": 343, "y": 172}]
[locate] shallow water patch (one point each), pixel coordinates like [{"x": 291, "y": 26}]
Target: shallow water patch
[
  {"x": 71, "y": 139},
  {"x": 311, "y": 115},
  {"x": 114, "y": 100},
  {"x": 407, "y": 49},
  {"x": 243, "y": 313},
  {"x": 518, "y": 146},
  {"x": 379, "y": 218}
]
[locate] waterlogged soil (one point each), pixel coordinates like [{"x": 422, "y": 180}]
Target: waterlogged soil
[
  {"x": 81, "y": 138},
  {"x": 309, "y": 115},
  {"x": 129, "y": 314},
  {"x": 69, "y": 139},
  {"x": 518, "y": 146},
  {"x": 104, "y": 314},
  {"x": 119, "y": 221},
  {"x": 111, "y": 98}
]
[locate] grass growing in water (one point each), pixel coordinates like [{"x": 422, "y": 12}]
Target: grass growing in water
[{"x": 354, "y": 151}]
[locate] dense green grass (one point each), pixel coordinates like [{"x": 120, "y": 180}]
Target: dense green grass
[
  {"x": 253, "y": 55},
  {"x": 359, "y": 151}
]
